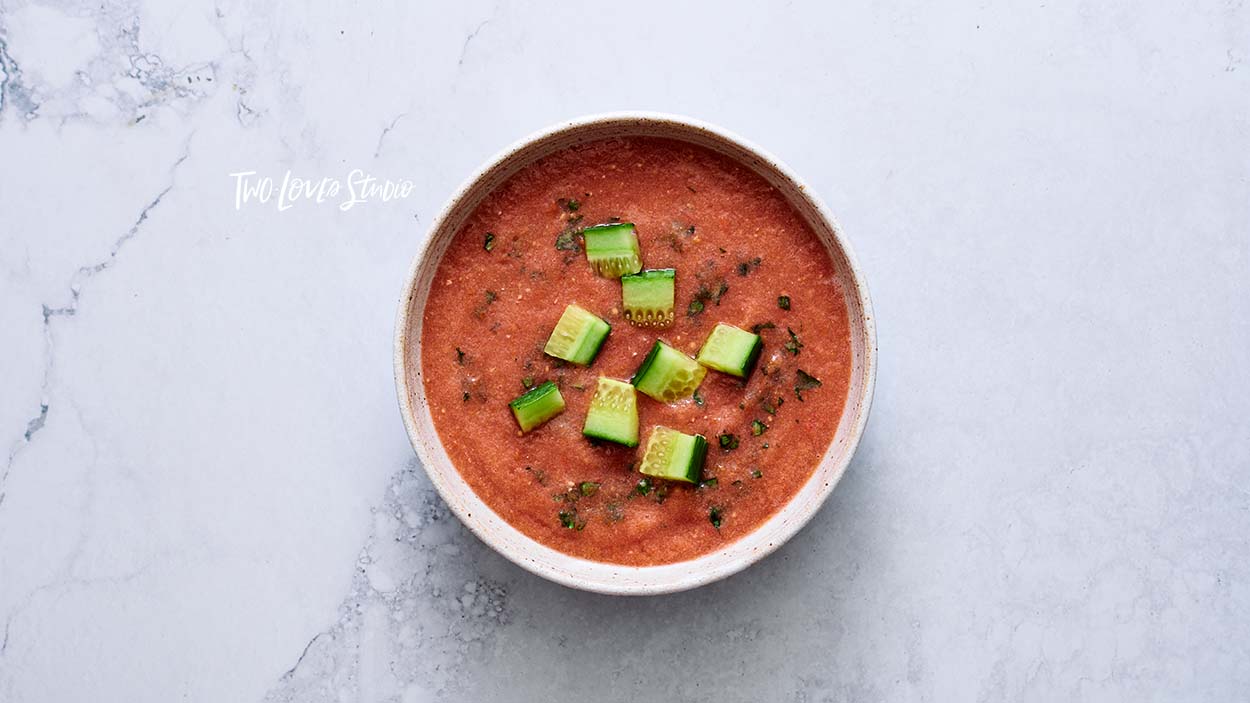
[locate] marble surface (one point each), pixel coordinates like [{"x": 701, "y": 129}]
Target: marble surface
[{"x": 207, "y": 493}]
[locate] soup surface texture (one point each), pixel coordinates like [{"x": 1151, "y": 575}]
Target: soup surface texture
[{"x": 743, "y": 256}]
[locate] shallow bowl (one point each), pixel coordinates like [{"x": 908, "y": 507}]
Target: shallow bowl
[{"x": 598, "y": 576}]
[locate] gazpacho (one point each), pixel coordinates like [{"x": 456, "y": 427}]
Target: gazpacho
[{"x": 635, "y": 351}]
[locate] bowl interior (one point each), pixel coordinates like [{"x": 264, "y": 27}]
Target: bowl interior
[{"x": 598, "y": 576}]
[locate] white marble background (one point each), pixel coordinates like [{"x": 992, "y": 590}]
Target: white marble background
[{"x": 207, "y": 493}]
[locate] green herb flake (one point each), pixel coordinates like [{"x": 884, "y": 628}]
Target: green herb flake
[
  {"x": 569, "y": 204},
  {"x": 709, "y": 482},
  {"x": 528, "y": 382},
  {"x": 465, "y": 396},
  {"x": 698, "y": 399},
  {"x": 539, "y": 475},
  {"x": 721, "y": 291},
  {"x": 771, "y": 408},
  {"x": 588, "y": 488},
  {"x": 490, "y": 241},
  {"x": 643, "y": 486},
  {"x": 714, "y": 516},
  {"x": 567, "y": 241},
  {"x": 615, "y": 512},
  {"x": 696, "y": 307},
  {"x": 794, "y": 345},
  {"x": 744, "y": 268},
  {"x": 756, "y": 473},
  {"x": 661, "y": 492},
  {"x": 783, "y": 302},
  {"x": 762, "y": 326},
  {"x": 568, "y": 518},
  {"x": 804, "y": 382},
  {"x": 727, "y": 441},
  {"x": 758, "y": 428},
  {"x": 459, "y": 356}
]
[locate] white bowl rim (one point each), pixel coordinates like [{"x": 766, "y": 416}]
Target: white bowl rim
[{"x": 609, "y": 584}]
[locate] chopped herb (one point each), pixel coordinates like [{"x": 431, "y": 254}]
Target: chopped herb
[
  {"x": 490, "y": 296},
  {"x": 722, "y": 250},
  {"x": 568, "y": 518},
  {"x": 783, "y": 302},
  {"x": 589, "y": 488},
  {"x": 465, "y": 396},
  {"x": 723, "y": 289},
  {"x": 528, "y": 382},
  {"x": 614, "y": 219},
  {"x": 690, "y": 230},
  {"x": 764, "y": 445},
  {"x": 539, "y": 475},
  {"x": 758, "y": 428},
  {"x": 643, "y": 487},
  {"x": 709, "y": 482},
  {"x": 569, "y": 204},
  {"x": 661, "y": 492},
  {"x": 490, "y": 241},
  {"x": 772, "y": 409},
  {"x": 698, "y": 399},
  {"x": 459, "y": 356},
  {"x": 756, "y": 473},
  {"x": 567, "y": 241},
  {"x": 794, "y": 345},
  {"x": 714, "y": 516},
  {"x": 762, "y": 326},
  {"x": 747, "y": 266},
  {"x": 804, "y": 382},
  {"x": 696, "y": 307},
  {"x": 688, "y": 186},
  {"x": 579, "y": 386},
  {"x": 615, "y": 512},
  {"x": 727, "y": 441}
]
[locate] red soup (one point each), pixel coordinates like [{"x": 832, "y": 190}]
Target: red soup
[{"x": 742, "y": 257}]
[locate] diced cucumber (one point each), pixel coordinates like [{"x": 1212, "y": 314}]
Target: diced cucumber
[
  {"x": 613, "y": 413},
  {"x": 731, "y": 350},
  {"x": 668, "y": 375},
  {"x": 647, "y": 297},
  {"x": 578, "y": 336},
  {"x": 673, "y": 455},
  {"x": 537, "y": 405},
  {"x": 612, "y": 249}
]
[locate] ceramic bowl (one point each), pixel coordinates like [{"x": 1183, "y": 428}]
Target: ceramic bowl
[{"x": 598, "y": 576}]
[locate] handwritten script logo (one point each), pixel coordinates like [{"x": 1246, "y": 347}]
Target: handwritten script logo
[{"x": 357, "y": 188}]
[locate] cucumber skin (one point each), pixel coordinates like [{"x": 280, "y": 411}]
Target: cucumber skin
[
  {"x": 645, "y": 366},
  {"x": 604, "y": 436},
  {"x": 535, "y": 395},
  {"x": 607, "y": 330},
  {"x": 698, "y": 455}
]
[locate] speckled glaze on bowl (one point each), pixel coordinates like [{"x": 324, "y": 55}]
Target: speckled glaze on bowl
[{"x": 598, "y": 576}]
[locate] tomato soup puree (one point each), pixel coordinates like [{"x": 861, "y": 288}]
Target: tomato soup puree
[{"x": 742, "y": 256}]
